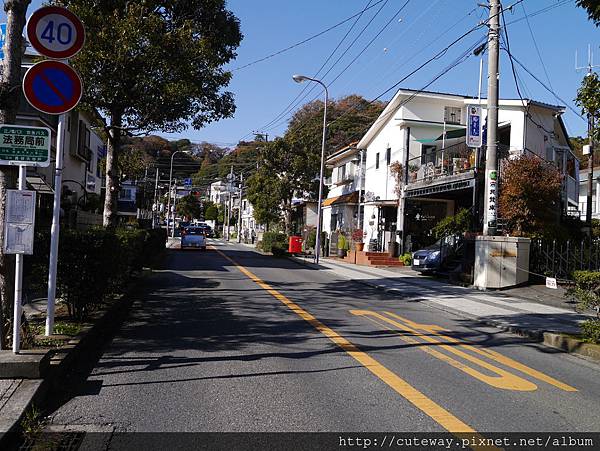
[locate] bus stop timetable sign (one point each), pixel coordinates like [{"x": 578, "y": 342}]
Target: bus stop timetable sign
[{"x": 24, "y": 146}]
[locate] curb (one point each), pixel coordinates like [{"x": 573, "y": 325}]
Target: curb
[
  {"x": 552, "y": 339},
  {"x": 35, "y": 391}
]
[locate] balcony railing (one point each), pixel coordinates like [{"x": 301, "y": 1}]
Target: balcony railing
[{"x": 452, "y": 160}]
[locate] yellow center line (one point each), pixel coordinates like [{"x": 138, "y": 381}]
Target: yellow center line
[
  {"x": 403, "y": 388},
  {"x": 503, "y": 380},
  {"x": 493, "y": 355}
]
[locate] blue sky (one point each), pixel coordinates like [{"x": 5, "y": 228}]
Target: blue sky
[{"x": 419, "y": 31}]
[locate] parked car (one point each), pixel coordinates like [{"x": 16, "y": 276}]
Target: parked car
[
  {"x": 208, "y": 231},
  {"x": 435, "y": 257},
  {"x": 193, "y": 237}
]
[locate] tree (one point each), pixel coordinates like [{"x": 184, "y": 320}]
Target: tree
[
  {"x": 529, "y": 193},
  {"x": 588, "y": 99},
  {"x": 593, "y": 9},
  {"x": 10, "y": 91},
  {"x": 263, "y": 193},
  {"x": 189, "y": 207},
  {"x": 154, "y": 65}
]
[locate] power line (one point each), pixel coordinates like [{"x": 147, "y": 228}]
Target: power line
[
  {"x": 370, "y": 42},
  {"x": 365, "y": 47},
  {"x": 298, "y": 98},
  {"x": 537, "y": 49},
  {"x": 304, "y": 41}
]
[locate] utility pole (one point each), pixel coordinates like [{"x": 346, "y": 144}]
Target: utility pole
[
  {"x": 155, "y": 202},
  {"x": 239, "y": 236},
  {"x": 591, "y": 121},
  {"x": 229, "y": 192},
  {"x": 590, "y": 178},
  {"x": 490, "y": 215}
]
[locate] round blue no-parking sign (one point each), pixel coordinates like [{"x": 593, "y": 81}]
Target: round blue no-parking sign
[{"x": 52, "y": 87}]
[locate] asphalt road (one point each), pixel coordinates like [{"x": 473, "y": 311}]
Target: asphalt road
[{"x": 270, "y": 345}]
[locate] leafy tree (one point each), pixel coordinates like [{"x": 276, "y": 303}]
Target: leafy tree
[
  {"x": 588, "y": 99},
  {"x": 211, "y": 212},
  {"x": 593, "y": 9},
  {"x": 10, "y": 91},
  {"x": 294, "y": 160},
  {"x": 153, "y": 65},
  {"x": 529, "y": 191},
  {"x": 263, "y": 194},
  {"x": 189, "y": 207}
]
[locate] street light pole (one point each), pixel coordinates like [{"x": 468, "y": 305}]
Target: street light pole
[{"x": 300, "y": 79}]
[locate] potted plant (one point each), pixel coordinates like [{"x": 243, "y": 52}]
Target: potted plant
[
  {"x": 357, "y": 237},
  {"x": 342, "y": 245}
]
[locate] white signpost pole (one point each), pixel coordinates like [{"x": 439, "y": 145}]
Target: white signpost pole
[
  {"x": 18, "y": 309},
  {"x": 55, "y": 227}
]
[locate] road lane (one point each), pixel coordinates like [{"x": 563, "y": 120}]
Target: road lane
[
  {"x": 552, "y": 406},
  {"x": 207, "y": 349}
]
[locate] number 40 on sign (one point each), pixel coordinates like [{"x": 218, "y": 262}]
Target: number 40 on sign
[{"x": 55, "y": 32}]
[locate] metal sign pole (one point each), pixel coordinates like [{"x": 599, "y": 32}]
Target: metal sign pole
[
  {"x": 18, "y": 308},
  {"x": 55, "y": 228}
]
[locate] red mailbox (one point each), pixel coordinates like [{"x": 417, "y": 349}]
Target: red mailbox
[{"x": 295, "y": 245}]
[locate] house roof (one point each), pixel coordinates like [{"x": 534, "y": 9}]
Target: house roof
[
  {"x": 347, "y": 151},
  {"x": 398, "y": 99}
]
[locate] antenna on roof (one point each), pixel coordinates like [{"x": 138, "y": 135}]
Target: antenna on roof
[{"x": 590, "y": 65}]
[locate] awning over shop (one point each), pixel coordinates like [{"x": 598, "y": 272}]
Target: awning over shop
[
  {"x": 39, "y": 184},
  {"x": 351, "y": 198}
]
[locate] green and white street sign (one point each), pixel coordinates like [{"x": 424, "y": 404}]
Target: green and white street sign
[{"x": 24, "y": 146}]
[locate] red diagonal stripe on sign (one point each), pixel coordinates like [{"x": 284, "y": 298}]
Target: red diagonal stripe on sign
[{"x": 54, "y": 89}]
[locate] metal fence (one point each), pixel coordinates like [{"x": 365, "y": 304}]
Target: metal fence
[{"x": 560, "y": 259}]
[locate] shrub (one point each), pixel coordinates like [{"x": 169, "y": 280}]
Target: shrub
[
  {"x": 587, "y": 294},
  {"x": 94, "y": 264},
  {"x": 591, "y": 330},
  {"x": 274, "y": 240},
  {"x": 357, "y": 236},
  {"x": 451, "y": 225},
  {"x": 311, "y": 239},
  {"x": 343, "y": 242},
  {"x": 406, "y": 259}
]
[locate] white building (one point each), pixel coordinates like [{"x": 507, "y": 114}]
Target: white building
[
  {"x": 425, "y": 133},
  {"x": 583, "y": 194},
  {"x": 341, "y": 207},
  {"x": 218, "y": 193}
]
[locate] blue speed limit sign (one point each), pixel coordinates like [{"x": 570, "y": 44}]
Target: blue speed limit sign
[{"x": 55, "y": 32}]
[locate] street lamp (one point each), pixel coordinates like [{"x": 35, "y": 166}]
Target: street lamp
[
  {"x": 301, "y": 79},
  {"x": 169, "y": 198}
]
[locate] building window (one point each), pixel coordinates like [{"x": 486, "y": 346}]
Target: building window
[
  {"x": 377, "y": 160},
  {"x": 453, "y": 115},
  {"x": 388, "y": 156},
  {"x": 342, "y": 173},
  {"x": 125, "y": 194}
]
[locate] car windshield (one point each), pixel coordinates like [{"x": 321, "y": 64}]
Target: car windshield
[{"x": 194, "y": 231}]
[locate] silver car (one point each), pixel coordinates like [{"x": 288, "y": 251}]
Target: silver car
[{"x": 193, "y": 237}]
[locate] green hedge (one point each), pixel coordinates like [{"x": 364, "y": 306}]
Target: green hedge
[
  {"x": 95, "y": 263},
  {"x": 587, "y": 294},
  {"x": 274, "y": 242}
]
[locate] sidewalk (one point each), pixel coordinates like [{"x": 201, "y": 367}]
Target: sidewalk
[{"x": 528, "y": 311}]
